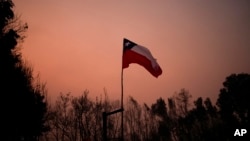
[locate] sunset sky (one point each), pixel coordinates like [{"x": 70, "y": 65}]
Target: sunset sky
[{"x": 77, "y": 44}]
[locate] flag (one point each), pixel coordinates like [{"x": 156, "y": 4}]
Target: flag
[{"x": 134, "y": 53}]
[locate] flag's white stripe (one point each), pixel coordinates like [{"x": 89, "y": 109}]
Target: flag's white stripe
[{"x": 145, "y": 52}]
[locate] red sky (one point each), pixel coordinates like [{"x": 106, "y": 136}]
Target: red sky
[{"x": 77, "y": 45}]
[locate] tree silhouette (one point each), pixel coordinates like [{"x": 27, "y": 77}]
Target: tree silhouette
[
  {"x": 133, "y": 119},
  {"x": 159, "y": 109},
  {"x": 173, "y": 121},
  {"x": 233, "y": 103},
  {"x": 23, "y": 105}
]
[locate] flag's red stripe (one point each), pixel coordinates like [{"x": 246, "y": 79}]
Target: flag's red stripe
[{"x": 129, "y": 56}]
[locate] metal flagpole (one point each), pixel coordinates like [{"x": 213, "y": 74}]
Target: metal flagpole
[{"x": 122, "y": 134}]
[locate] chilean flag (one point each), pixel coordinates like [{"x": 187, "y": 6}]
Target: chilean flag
[{"x": 134, "y": 53}]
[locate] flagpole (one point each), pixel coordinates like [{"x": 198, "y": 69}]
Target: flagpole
[{"x": 122, "y": 134}]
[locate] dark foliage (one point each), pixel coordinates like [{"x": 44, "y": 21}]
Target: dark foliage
[
  {"x": 173, "y": 121},
  {"x": 23, "y": 105},
  {"x": 234, "y": 104}
]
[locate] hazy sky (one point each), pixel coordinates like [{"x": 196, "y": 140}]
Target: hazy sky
[{"x": 77, "y": 45}]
